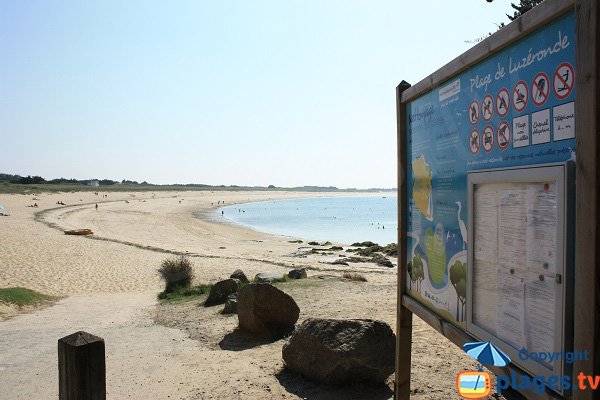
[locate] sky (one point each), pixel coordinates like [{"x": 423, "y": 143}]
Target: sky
[{"x": 255, "y": 93}]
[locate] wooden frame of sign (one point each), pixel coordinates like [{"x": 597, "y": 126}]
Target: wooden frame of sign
[{"x": 586, "y": 301}]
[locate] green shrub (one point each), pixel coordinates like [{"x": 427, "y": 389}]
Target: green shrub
[
  {"x": 22, "y": 297},
  {"x": 181, "y": 293},
  {"x": 177, "y": 273}
]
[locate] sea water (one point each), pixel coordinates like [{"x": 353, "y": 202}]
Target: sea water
[{"x": 336, "y": 219}]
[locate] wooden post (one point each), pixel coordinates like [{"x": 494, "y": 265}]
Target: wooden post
[
  {"x": 81, "y": 367},
  {"x": 404, "y": 317},
  {"x": 587, "y": 243}
]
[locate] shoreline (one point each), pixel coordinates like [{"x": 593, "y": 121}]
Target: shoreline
[
  {"x": 313, "y": 234},
  {"x": 133, "y": 232}
]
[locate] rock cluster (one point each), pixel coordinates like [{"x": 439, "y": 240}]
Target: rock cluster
[{"x": 221, "y": 290}]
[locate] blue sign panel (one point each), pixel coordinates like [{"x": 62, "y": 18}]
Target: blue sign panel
[{"x": 516, "y": 108}]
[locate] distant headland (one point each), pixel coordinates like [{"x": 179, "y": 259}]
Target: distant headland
[{"x": 10, "y": 183}]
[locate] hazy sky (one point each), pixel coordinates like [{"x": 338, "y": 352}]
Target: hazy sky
[{"x": 279, "y": 92}]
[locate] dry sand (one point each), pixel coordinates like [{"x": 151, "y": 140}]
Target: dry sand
[{"x": 183, "y": 350}]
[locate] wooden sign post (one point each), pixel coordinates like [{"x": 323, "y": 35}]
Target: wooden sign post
[{"x": 81, "y": 367}]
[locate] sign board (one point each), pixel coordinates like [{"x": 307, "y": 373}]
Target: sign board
[
  {"x": 491, "y": 129},
  {"x": 503, "y": 112}
]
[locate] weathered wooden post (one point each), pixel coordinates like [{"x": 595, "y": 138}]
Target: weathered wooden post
[{"x": 81, "y": 367}]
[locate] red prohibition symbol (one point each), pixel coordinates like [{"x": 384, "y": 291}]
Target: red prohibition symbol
[
  {"x": 503, "y": 135},
  {"x": 503, "y": 102},
  {"x": 488, "y": 139},
  {"x": 487, "y": 107},
  {"x": 563, "y": 81},
  {"x": 520, "y": 95},
  {"x": 474, "y": 112},
  {"x": 540, "y": 89},
  {"x": 474, "y": 141}
]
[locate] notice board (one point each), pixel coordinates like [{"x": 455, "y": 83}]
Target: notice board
[
  {"x": 519, "y": 269},
  {"x": 515, "y": 108}
]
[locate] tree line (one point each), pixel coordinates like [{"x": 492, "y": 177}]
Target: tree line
[{"x": 33, "y": 180}]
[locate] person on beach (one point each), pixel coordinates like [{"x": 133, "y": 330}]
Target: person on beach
[{"x": 96, "y": 206}]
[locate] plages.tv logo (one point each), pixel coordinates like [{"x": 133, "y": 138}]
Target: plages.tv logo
[
  {"x": 473, "y": 384},
  {"x": 478, "y": 384}
]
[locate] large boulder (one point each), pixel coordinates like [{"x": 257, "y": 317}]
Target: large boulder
[
  {"x": 298, "y": 273},
  {"x": 239, "y": 275},
  {"x": 269, "y": 277},
  {"x": 219, "y": 292},
  {"x": 266, "y": 311},
  {"x": 339, "y": 351}
]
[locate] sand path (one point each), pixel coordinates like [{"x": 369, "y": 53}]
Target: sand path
[{"x": 141, "y": 357}]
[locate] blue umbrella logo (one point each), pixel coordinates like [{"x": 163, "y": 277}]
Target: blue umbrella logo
[{"x": 487, "y": 353}]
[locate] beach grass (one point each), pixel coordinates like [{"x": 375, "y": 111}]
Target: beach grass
[
  {"x": 185, "y": 294},
  {"x": 301, "y": 283},
  {"x": 21, "y": 297},
  {"x": 177, "y": 272},
  {"x": 353, "y": 276}
]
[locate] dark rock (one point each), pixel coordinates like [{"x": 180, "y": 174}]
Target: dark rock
[
  {"x": 231, "y": 304},
  {"x": 340, "y": 351},
  {"x": 346, "y": 260},
  {"x": 269, "y": 277},
  {"x": 239, "y": 275},
  {"x": 266, "y": 311},
  {"x": 298, "y": 273},
  {"x": 383, "y": 262},
  {"x": 391, "y": 250},
  {"x": 369, "y": 251},
  {"x": 377, "y": 259},
  {"x": 340, "y": 262},
  {"x": 368, "y": 243},
  {"x": 219, "y": 292}
]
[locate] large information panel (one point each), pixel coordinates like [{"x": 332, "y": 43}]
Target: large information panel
[{"x": 514, "y": 109}]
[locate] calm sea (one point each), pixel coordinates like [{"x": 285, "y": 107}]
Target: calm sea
[{"x": 337, "y": 219}]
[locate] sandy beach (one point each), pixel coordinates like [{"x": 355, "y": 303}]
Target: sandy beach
[{"x": 108, "y": 286}]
